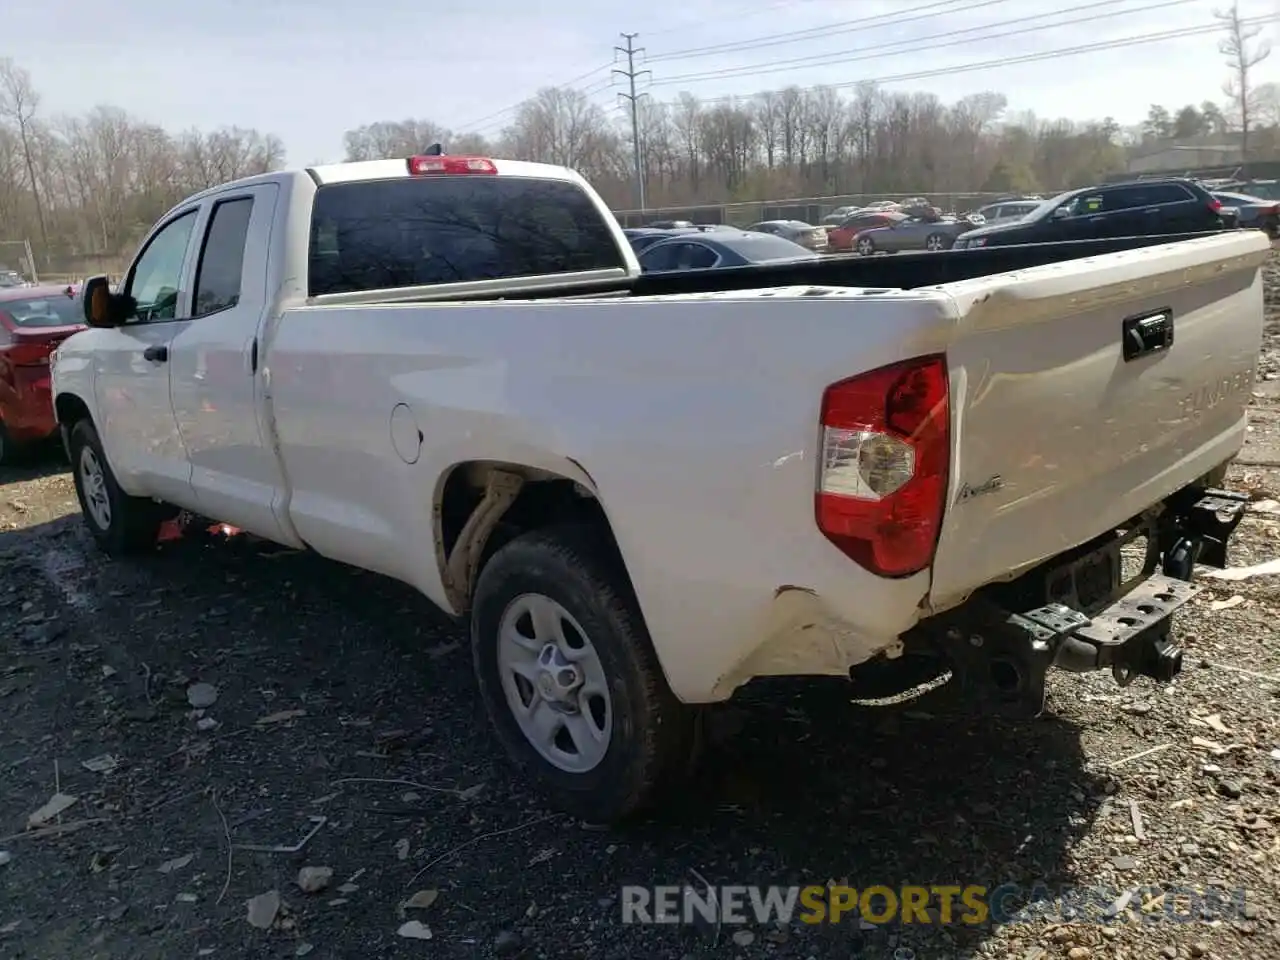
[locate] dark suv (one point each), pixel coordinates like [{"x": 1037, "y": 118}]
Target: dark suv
[{"x": 1137, "y": 208}]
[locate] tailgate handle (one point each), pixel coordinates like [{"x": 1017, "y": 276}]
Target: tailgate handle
[{"x": 1146, "y": 333}]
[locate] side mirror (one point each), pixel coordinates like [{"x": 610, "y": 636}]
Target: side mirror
[
  {"x": 101, "y": 307},
  {"x": 1061, "y": 213}
]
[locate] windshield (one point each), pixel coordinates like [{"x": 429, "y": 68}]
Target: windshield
[
  {"x": 1044, "y": 209},
  {"x": 43, "y": 311}
]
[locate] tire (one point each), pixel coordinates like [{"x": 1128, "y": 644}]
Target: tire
[
  {"x": 127, "y": 524},
  {"x": 865, "y": 246},
  {"x": 935, "y": 242},
  {"x": 650, "y": 736}
]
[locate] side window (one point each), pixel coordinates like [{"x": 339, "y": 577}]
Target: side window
[
  {"x": 1086, "y": 205},
  {"x": 222, "y": 257},
  {"x": 1126, "y": 198},
  {"x": 659, "y": 257},
  {"x": 682, "y": 256},
  {"x": 155, "y": 278},
  {"x": 697, "y": 257},
  {"x": 1168, "y": 193}
]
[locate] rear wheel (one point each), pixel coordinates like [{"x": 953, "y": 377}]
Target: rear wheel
[
  {"x": 120, "y": 524},
  {"x": 569, "y": 677},
  {"x": 935, "y": 242}
]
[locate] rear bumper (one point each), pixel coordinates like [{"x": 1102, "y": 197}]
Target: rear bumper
[{"x": 1082, "y": 612}]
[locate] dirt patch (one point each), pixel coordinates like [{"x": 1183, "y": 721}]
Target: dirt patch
[{"x": 336, "y": 710}]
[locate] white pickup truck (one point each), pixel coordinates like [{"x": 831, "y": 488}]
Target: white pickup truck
[{"x": 645, "y": 491}]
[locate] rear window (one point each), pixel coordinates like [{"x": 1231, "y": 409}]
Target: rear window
[
  {"x": 384, "y": 234},
  {"x": 58, "y": 311}
]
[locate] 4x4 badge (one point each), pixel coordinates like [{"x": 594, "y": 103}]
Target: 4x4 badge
[{"x": 990, "y": 485}]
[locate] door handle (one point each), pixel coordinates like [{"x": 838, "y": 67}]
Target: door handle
[
  {"x": 1146, "y": 333},
  {"x": 159, "y": 353}
]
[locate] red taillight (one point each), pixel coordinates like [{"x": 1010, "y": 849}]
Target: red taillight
[
  {"x": 886, "y": 449},
  {"x": 1215, "y": 204},
  {"x": 419, "y": 166},
  {"x": 20, "y": 354}
]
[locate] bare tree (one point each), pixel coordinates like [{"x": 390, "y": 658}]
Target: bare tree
[
  {"x": 1242, "y": 54},
  {"x": 403, "y": 138},
  {"x": 18, "y": 102}
]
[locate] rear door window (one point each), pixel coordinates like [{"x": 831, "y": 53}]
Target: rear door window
[
  {"x": 1167, "y": 193},
  {"x": 695, "y": 256},
  {"x": 660, "y": 257},
  {"x": 1126, "y": 198},
  {"x": 221, "y": 263},
  {"x": 421, "y": 231}
]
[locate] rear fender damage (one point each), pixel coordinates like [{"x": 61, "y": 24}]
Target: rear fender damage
[{"x": 803, "y": 636}]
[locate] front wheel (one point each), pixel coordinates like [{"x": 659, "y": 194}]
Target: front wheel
[
  {"x": 866, "y": 246},
  {"x": 935, "y": 242},
  {"x": 569, "y": 677},
  {"x": 120, "y": 524}
]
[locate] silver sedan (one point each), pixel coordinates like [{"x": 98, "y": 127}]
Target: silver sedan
[{"x": 797, "y": 231}]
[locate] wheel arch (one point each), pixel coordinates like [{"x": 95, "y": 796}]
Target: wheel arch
[
  {"x": 70, "y": 408},
  {"x": 478, "y": 505}
]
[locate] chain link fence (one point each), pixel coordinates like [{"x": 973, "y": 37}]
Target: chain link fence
[{"x": 808, "y": 209}]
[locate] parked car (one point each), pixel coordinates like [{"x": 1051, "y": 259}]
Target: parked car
[
  {"x": 841, "y": 237},
  {"x": 1253, "y": 213},
  {"x": 1136, "y": 208},
  {"x": 724, "y": 249},
  {"x": 1005, "y": 211},
  {"x": 1263, "y": 189},
  {"x": 671, "y": 225},
  {"x": 919, "y": 207},
  {"x": 643, "y": 237},
  {"x": 797, "y": 231},
  {"x": 33, "y": 321},
  {"x": 911, "y": 233},
  {"x": 641, "y": 492},
  {"x": 839, "y": 215},
  {"x": 11, "y": 278}
]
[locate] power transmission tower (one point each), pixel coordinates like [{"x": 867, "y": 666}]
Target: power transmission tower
[{"x": 631, "y": 73}]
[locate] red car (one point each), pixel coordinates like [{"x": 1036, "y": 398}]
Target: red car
[
  {"x": 841, "y": 237},
  {"x": 33, "y": 321}
]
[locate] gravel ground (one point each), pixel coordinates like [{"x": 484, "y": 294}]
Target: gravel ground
[{"x": 343, "y": 696}]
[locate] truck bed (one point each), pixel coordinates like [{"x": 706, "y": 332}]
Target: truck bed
[{"x": 905, "y": 271}]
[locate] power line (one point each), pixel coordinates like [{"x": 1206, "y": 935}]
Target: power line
[
  {"x": 1058, "y": 54},
  {"x": 690, "y": 25},
  {"x": 488, "y": 119},
  {"x": 921, "y": 12},
  {"x": 631, "y": 73},
  {"x": 950, "y": 38}
]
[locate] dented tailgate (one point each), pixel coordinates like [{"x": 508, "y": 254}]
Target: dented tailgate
[{"x": 1060, "y": 431}]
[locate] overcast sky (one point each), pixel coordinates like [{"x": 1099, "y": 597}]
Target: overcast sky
[{"x": 307, "y": 71}]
